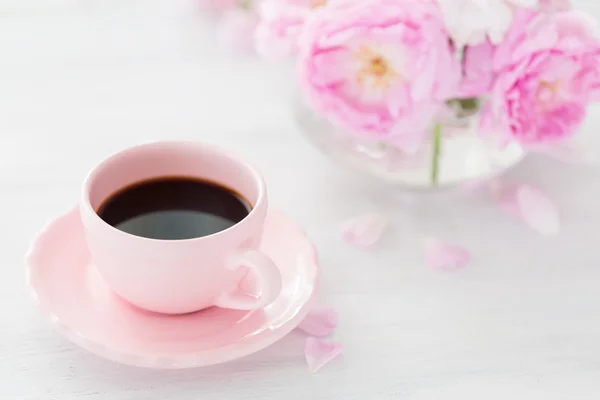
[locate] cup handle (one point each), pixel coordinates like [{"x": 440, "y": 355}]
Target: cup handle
[{"x": 269, "y": 281}]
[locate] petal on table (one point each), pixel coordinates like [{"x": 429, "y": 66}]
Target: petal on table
[
  {"x": 319, "y": 352},
  {"x": 320, "y": 322},
  {"x": 445, "y": 256},
  {"x": 504, "y": 195},
  {"x": 538, "y": 210},
  {"x": 363, "y": 231}
]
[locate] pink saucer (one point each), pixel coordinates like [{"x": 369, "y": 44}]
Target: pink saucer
[{"x": 77, "y": 301}]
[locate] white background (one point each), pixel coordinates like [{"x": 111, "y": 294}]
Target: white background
[{"x": 80, "y": 79}]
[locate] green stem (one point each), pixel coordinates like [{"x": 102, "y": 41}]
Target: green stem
[
  {"x": 435, "y": 158},
  {"x": 470, "y": 104},
  {"x": 245, "y": 5}
]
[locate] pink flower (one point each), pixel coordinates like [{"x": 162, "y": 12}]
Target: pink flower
[
  {"x": 379, "y": 68},
  {"x": 363, "y": 231},
  {"x": 547, "y": 71},
  {"x": 281, "y": 22},
  {"x": 477, "y": 70}
]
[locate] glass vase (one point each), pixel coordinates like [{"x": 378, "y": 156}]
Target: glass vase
[{"x": 462, "y": 154}]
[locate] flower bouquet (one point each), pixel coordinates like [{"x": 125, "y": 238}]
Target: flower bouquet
[{"x": 413, "y": 89}]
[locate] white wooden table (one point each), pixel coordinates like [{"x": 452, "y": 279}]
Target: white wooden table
[{"x": 80, "y": 79}]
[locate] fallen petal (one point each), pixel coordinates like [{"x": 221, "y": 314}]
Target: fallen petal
[
  {"x": 528, "y": 204},
  {"x": 320, "y": 322},
  {"x": 319, "y": 352},
  {"x": 538, "y": 210},
  {"x": 364, "y": 230},
  {"x": 445, "y": 256},
  {"x": 505, "y": 197}
]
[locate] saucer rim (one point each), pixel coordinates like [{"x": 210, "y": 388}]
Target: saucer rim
[{"x": 164, "y": 361}]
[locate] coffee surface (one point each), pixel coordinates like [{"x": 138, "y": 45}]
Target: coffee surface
[{"x": 174, "y": 208}]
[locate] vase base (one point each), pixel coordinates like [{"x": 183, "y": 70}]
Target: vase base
[
  {"x": 462, "y": 160},
  {"x": 464, "y": 155}
]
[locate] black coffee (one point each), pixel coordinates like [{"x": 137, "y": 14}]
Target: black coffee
[{"x": 174, "y": 208}]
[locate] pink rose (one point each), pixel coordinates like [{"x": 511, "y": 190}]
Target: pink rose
[
  {"x": 477, "y": 70},
  {"x": 281, "y": 22},
  {"x": 547, "y": 71},
  {"x": 379, "y": 68}
]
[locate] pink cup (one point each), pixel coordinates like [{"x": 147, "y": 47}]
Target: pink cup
[{"x": 180, "y": 276}]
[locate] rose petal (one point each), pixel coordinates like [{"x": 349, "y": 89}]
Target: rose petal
[
  {"x": 527, "y": 203},
  {"x": 538, "y": 210},
  {"x": 319, "y": 352},
  {"x": 363, "y": 231},
  {"x": 320, "y": 322},
  {"x": 505, "y": 196},
  {"x": 477, "y": 70},
  {"x": 445, "y": 256}
]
